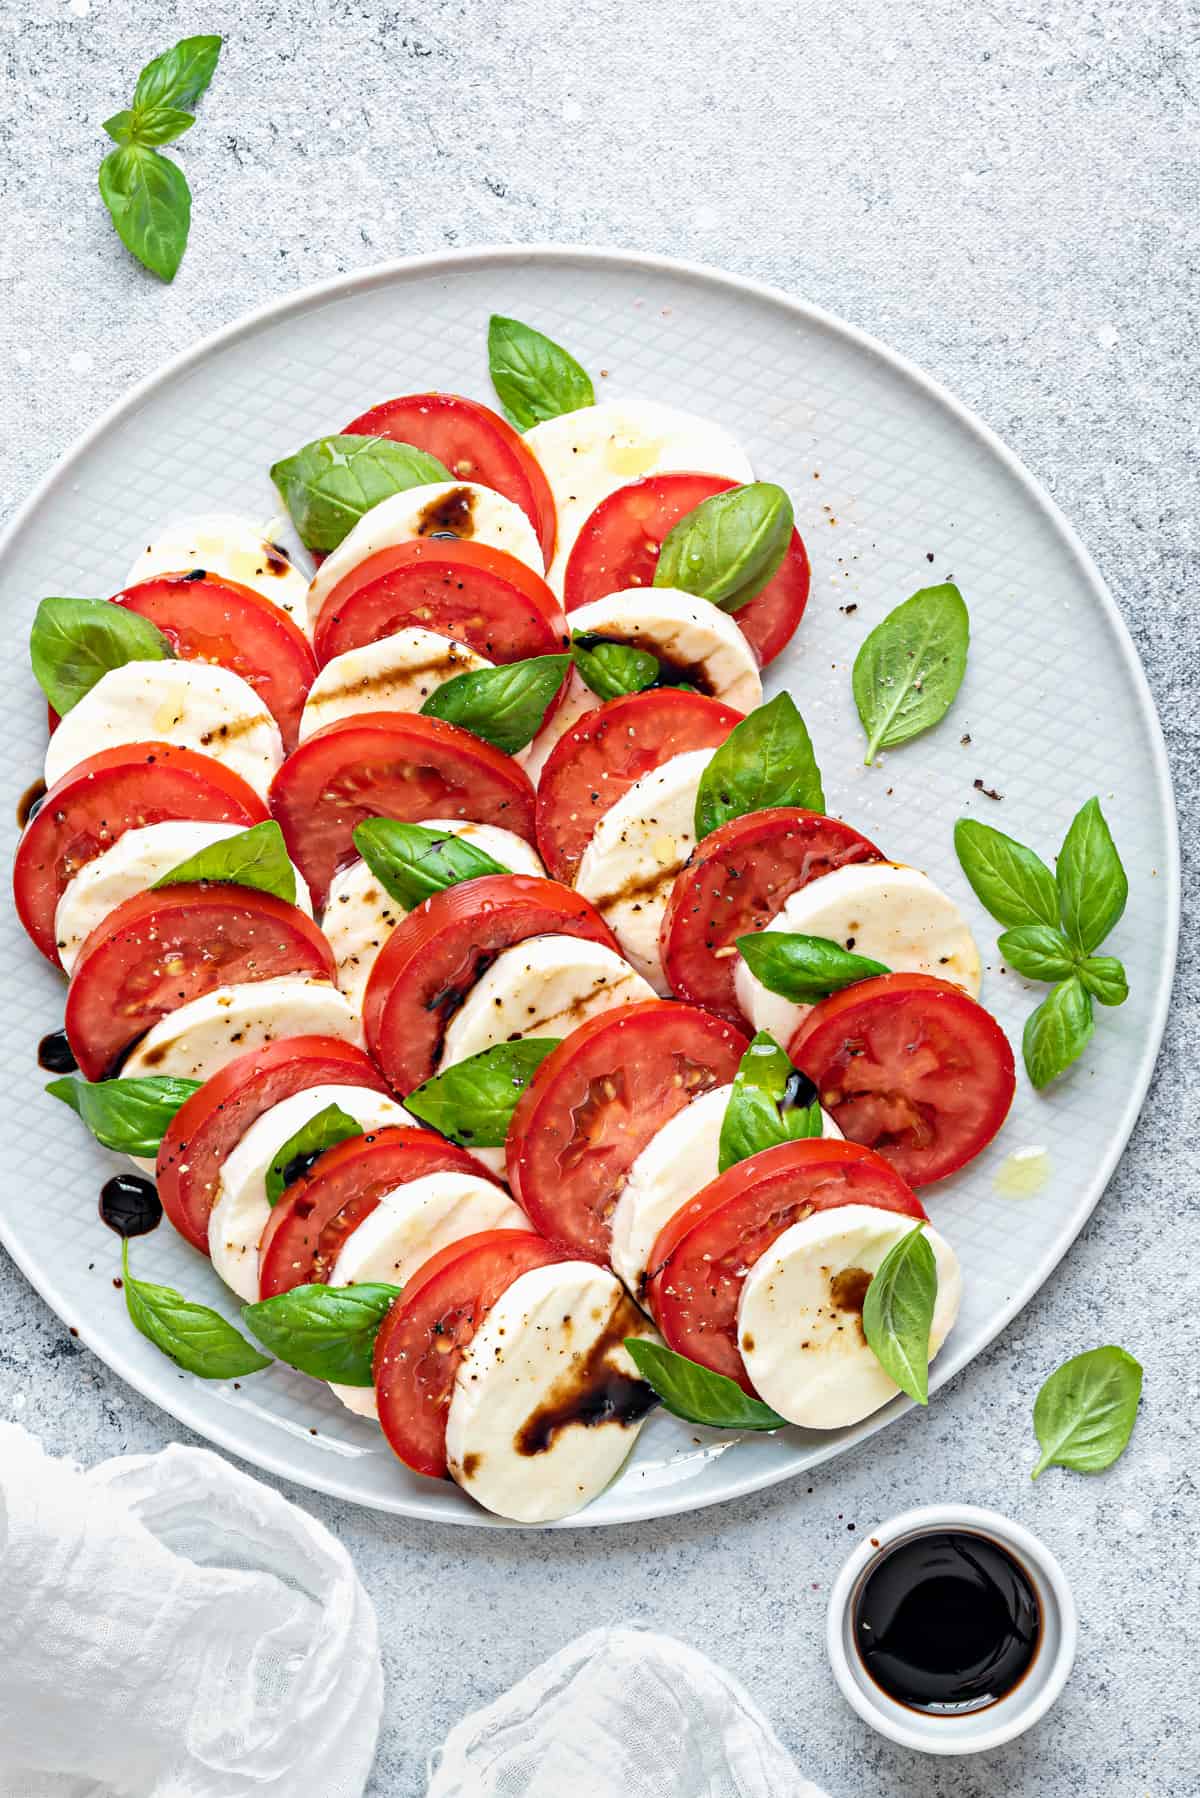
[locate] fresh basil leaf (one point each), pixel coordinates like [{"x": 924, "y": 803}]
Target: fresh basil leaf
[
  {"x": 120, "y": 126},
  {"x": 326, "y": 1331},
  {"x": 150, "y": 204},
  {"x": 729, "y": 546},
  {"x": 771, "y": 1103},
  {"x": 294, "y": 1157},
  {"x": 696, "y": 1393},
  {"x": 254, "y": 858},
  {"x": 1013, "y": 883},
  {"x": 158, "y": 125},
  {"x": 897, "y": 1313},
  {"x": 505, "y": 705},
  {"x": 801, "y": 968},
  {"x": 1104, "y": 978},
  {"x": 612, "y": 669},
  {"x": 1039, "y": 951},
  {"x": 909, "y": 669},
  {"x": 1092, "y": 886},
  {"x": 412, "y": 862},
  {"x": 765, "y": 760},
  {"x": 75, "y": 641},
  {"x": 472, "y": 1102},
  {"x": 329, "y": 484},
  {"x": 1058, "y": 1032},
  {"x": 127, "y": 1115},
  {"x": 1084, "y": 1414},
  {"x": 535, "y": 378},
  {"x": 179, "y": 76},
  {"x": 196, "y": 1338}
]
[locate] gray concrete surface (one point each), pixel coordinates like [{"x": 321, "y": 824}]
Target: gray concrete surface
[{"x": 1007, "y": 193}]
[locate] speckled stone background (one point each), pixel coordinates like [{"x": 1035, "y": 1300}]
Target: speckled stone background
[{"x": 1005, "y": 192}]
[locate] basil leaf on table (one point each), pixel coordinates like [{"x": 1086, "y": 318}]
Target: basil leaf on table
[
  {"x": 771, "y": 1103},
  {"x": 179, "y": 76},
  {"x": 729, "y": 546},
  {"x": 505, "y": 705},
  {"x": 765, "y": 760},
  {"x": 150, "y": 203},
  {"x": 534, "y": 377},
  {"x": 255, "y": 858},
  {"x": 472, "y": 1102},
  {"x": 326, "y": 1331},
  {"x": 804, "y": 968},
  {"x": 1058, "y": 1032},
  {"x": 696, "y": 1393},
  {"x": 196, "y": 1338},
  {"x": 130, "y": 1116},
  {"x": 612, "y": 669},
  {"x": 910, "y": 667},
  {"x": 1084, "y": 1414},
  {"x": 74, "y": 642},
  {"x": 1008, "y": 879},
  {"x": 160, "y": 125},
  {"x": 1092, "y": 885},
  {"x": 1039, "y": 951},
  {"x": 1104, "y": 977},
  {"x": 898, "y": 1310},
  {"x": 329, "y": 484},
  {"x": 294, "y": 1157},
  {"x": 412, "y": 862}
]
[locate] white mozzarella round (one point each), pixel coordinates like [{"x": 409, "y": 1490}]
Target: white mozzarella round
[
  {"x": 397, "y": 674},
  {"x": 637, "y": 849},
  {"x": 554, "y": 1336},
  {"x": 800, "y": 1314},
  {"x": 587, "y": 455},
  {"x": 894, "y": 915},
  {"x": 203, "y": 1036},
  {"x": 545, "y": 986},
  {"x": 232, "y": 549},
  {"x": 196, "y": 705}
]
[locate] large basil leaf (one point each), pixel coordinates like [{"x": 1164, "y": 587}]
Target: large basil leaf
[
  {"x": 898, "y": 1310},
  {"x": 802, "y": 968},
  {"x": 765, "y": 760},
  {"x": 505, "y": 705},
  {"x": 1092, "y": 886},
  {"x": 412, "y": 862},
  {"x": 729, "y": 547},
  {"x": 196, "y": 1338},
  {"x": 150, "y": 204},
  {"x": 130, "y": 1116},
  {"x": 696, "y": 1393},
  {"x": 326, "y": 1331},
  {"x": 1058, "y": 1032},
  {"x": 534, "y": 377},
  {"x": 294, "y": 1157},
  {"x": 329, "y": 484},
  {"x": 1013, "y": 883},
  {"x": 1084, "y": 1414},
  {"x": 771, "y": 1103},
  {"x": 472, "y": 1102},
  {"x": 74, "y": 642},
  {"x": 255, "y": 858},
  {"x": 909, "y": 669}
]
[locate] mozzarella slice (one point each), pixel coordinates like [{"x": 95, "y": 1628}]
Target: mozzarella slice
[
  {"x": 196, "y": 705},
  {"x": 587, "y": 455},
  {"x": 453, "y": 508},
  {"x": 800, "y": 1314},
  {"x": 526, "y": 1431},
  {"x": 240, "y": 1212},
  {"x": 892, "y": 914},
  {"x": 232, "y": 549},
  {"x": 206, "y": 1034},
  {"x": 637, "y": 849},
  {"x": 397, "y": 674},
  {"x": 545, "y": 986}
]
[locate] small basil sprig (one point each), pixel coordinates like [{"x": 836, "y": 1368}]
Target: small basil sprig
[
  {"x": 1084, "y": 1414},
  {"x": 802, "y": 968},
  {"x": 897, "y": 1313},
  {"x": 412, "y": 862},
  {"x": 472, "y": 1102},
  {"x": 534, "y": 377},
  {"x": 505, "y": 705},
  {"x": 765, "y": 760},
  {"x": 129, "y": 1116},
  {"x": 729, "y": 546},
  {"x": 255, "y": 858},
  {"x": 74, "y": 642},
  {"x": 613, "y": 669},
  {"x": 329, "y": 484},
  {"x": 697, "y": 1393},
  {"x": 294, "y": 1157},
  {"x": 326, "y": 1331},
  {"x": 909, "y": 669},
  {"x": 196, "y": 1338},
  {"x": 772, "y": 1102}
]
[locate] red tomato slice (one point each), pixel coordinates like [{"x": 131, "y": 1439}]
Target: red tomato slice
[
  {"x": 596, "y": 1101},
  {"x": 912, "y": 1067},
  {"x": 422, "y": 1338},
  {"x": 309, "y": 1225},
  {"x": 98, "y": 800},
  {"x": 619, "y": 544},
  {"x": 208, "y": 1125},
  {"x": 437, "y": 953},
  {"x": 735, "y": 883},
  {"x": 160, "y": 949},
  {"x": 475, "y": 444},
  {"x": 390, "y": 765},
  {"x": 599, "y": 759},
  {"x": 700, "y": 1261}
]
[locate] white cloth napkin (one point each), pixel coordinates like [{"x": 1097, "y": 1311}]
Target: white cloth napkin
[{"x": 170, "y": 1628}]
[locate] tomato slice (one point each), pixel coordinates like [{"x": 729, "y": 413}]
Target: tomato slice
[
  {"x": 610, "y": 748},
  {"x": 735, "y": 883},
  {"x": 596, "y": 1101},
  {"x": 437, "y": 953},
  {"x": 160, "y": 949},
  {"x": 390, "y": 765},
  {"x": 206, "y": 1127},
  {"x": 700, "y": 1261},
  {"x": 475, "y": 444},
  {"x": 912, "y": 1067},
  {"x": 309, "y": 1225},
  {"x": 101, "y": 798},
  {"x": 619, "y": 544},
  {"x": 422, "y": 1338}
]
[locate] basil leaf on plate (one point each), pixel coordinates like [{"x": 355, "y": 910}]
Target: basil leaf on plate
[
  {"x": 1084, "y": 1414},
  {"x": 255, "y": 858},
  {"x": 1058, "y": 1032},
  {"x": 1008, "y": 879},
  {"x": 804, "y": 968},
  {"x": 765, "y": 760},
  {"x": 729, "y": 546},
  {"x": 326, "y": 1331},
  {"x": 195, "y": 1337},
  {"x": 150, "y": 203},
  {"x": 1092, "y": 886},
  {"x": 505, "y": 705},
  {"x": 1104, "y": 977},
  {"x": 294, "y": 1157},
  {"x": 179, "y": 76},
  {"x": 329, "y": 484},
  {"x": 412, "y": 862},
  {"x": 472, "y": 1102},
  {"x": 612, "y": 669},
  {"x": 158, "y": 125},
  {"x": 127, "y": 1115},
  {"x": 696, "y": 1393},
  {"x": 534, "y": 377},
  {"x": 1039, "y": 951},
  {"x": 898, "y": 1313},
  {"x": 910, "y": 667},
  {"x": 75, "y": 641},
  {"x": 771, "y": 1103}
]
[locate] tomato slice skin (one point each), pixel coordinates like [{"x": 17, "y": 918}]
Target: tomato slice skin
[
  {"x": 434, "y": 956},
  {"x": 596, "y": 1101},
  {"x": 422, "y": 1338},
  {"x": 391, "y": 765},
  {"x": 309, "y": 1225},
  {"x": 701, "y": 1258},
  {"x": 610, "y": 748},
  {"x": 208, "y": 1125},
  {"x": 619, "y": 545},
  {"x": 101, "y": 798},
  {"x": 475, "y": 444},
  {"x": 736, "y": 881},
  {"x": 160, "y": 949},
  {"x": 911, "y": 1066}
]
